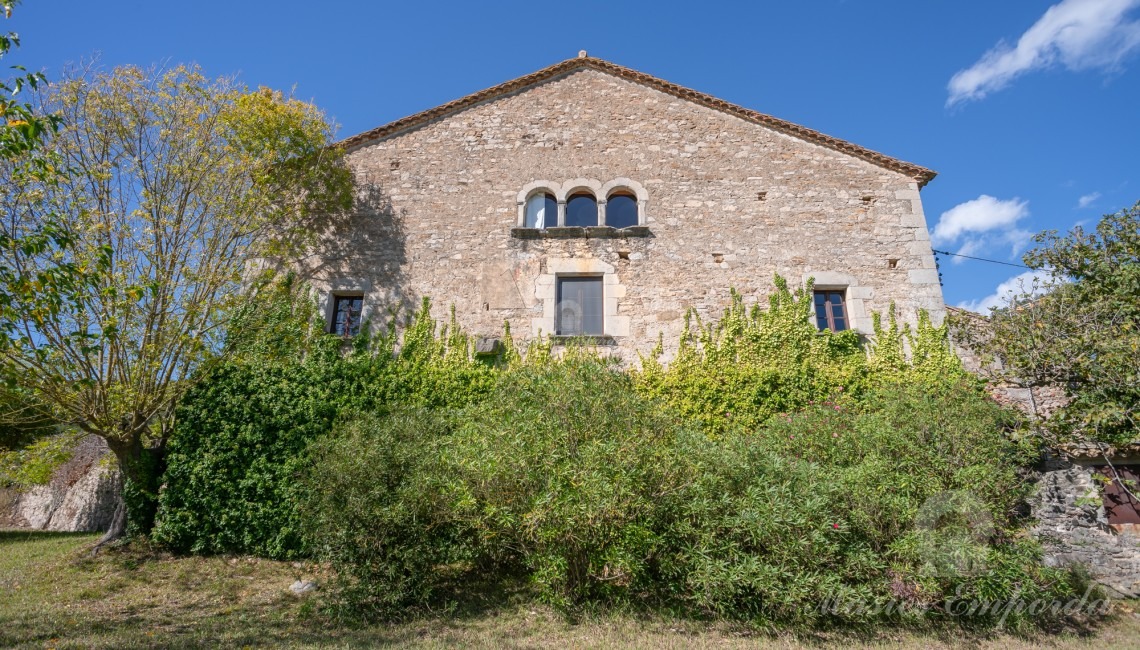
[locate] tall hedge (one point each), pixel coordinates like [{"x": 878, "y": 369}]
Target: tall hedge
[{"x": 241, "y": 434}]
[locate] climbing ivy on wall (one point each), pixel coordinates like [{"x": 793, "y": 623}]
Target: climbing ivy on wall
[{"x": 754, "y": 363}]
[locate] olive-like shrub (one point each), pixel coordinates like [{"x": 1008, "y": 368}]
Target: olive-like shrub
[{"x": 599, "y": 497}]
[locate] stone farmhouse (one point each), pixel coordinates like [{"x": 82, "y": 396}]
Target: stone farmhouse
[{"x": 589, "y": 199}]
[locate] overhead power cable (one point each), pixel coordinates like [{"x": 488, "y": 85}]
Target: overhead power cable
[{"x": 981, "y": 259}]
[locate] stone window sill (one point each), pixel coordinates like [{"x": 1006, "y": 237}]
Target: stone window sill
[
  {"x": 580, "y": 232},
  {"x": 605, "y": 339}
]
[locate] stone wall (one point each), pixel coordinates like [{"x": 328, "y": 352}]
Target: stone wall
[
  {"x": 81, "y": 495},
  {"x": 727, "y": 203},
  {"x": 1073, "y": 529},
  {"x": 1037, "y": 402},
  {"x": 1068, "y": 502}
]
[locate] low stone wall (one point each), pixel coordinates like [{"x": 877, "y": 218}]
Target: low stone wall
[
  {"x": 81, "y": 496},
  {"x": 1072, "y": 527}
]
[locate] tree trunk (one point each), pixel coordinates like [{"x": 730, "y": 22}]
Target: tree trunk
[
  {"x": 118, "y": 528},
  {"x": 141, "y": 469}
]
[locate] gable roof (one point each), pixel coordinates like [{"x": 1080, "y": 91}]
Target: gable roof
[{"x": 920, "y": 174}]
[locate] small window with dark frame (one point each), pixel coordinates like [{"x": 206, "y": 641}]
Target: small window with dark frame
[
  {"x": 346, "y": 315},
  {"x": 830, "y": 312},
  {"x": 579, "y": 306}
]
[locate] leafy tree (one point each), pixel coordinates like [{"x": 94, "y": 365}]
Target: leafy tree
[
  {"x": 22, "y": 129},
  {"x": 1082, "y": 333},
  {"x": 119, "y": 277},
  {"x": 23, "y": 133}
]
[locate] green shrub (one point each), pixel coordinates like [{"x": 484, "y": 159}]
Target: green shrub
[
  {"x": 239, "y": 448},
  {"x": 237, "y": 452},
  {"x": 562, "y": 471},
  {"x": 376, "y": 510},
  {"x": 759, "y": 537},
  {"x": 604, "y": 498}
]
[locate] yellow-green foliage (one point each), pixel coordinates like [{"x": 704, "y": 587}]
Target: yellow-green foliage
[
  {"x": 33, "y": 465},
  {"x": 755, "y": 363},
  {"x": 243, "y": 430}
]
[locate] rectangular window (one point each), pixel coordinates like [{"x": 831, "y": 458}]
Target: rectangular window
[
  {"x": 346, "y": 315},
  {"x": 830, "y": 313},
  {"x": 579, "y": 310}
]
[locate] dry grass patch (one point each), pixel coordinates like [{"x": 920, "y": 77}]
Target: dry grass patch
[{"x": 53, "y": 595}]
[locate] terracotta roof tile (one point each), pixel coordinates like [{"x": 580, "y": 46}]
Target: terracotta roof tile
[{"x": 921, "y": 174}]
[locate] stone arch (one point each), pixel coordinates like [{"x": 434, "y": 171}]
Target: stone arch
[
  {"x": 629, "y": 185},
  {"x": 529, "y": 190},
  {"x": 625, "y": 184},
  {"x": 590, "y": 186},
  {"x": 580, "y": 184}
]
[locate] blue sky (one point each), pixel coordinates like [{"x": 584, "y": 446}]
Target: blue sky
[{"x": 1028, "y": 110}]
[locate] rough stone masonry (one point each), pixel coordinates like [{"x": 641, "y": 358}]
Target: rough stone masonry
[{"x": 726, "y": 202}]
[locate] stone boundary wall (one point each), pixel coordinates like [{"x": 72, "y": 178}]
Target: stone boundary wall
[
  {"x": 80, "y": 497},
  {"x": 1073, "y": 529},
  {"x": 1068, "y": 502}
]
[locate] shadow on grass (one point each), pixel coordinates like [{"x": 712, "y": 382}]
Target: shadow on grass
[
  {"x": 141, "y": 597},
  {"x": 13, "y": 535}
]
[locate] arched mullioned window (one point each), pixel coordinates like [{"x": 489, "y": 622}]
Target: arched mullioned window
[
  {"x": 626, "y": 200},
  {"x": 582, "y": 203},
  {"x": 621, "y": 209},
  {"x": 541, "y": 211},
  {"x": 582, "y": 209}
]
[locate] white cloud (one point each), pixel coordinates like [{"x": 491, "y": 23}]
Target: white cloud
[
  {"x": 969, "y": 247},
  {"x": 1078, "y": 34},
  {"x": 1018, "y": 240},
  {"x": 1032, "y": 282},
  {"x": 983, "y": 214},
  {"x": 1087, "y": 200}
]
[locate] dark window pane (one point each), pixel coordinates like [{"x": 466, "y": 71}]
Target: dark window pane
[
  {"x": 836, "y": 307},
  {"x": 829, "y": 311},
  {"x": 621, "y": 211},
  {"x": 582, "y": 210},
  {"x": 579, "y": 306},
  {"x": 551, "y": 208},
  {"x": 346, "y": 315}
]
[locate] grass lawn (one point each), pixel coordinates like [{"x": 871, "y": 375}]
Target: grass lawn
[{"x": 53, "y": 595}]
